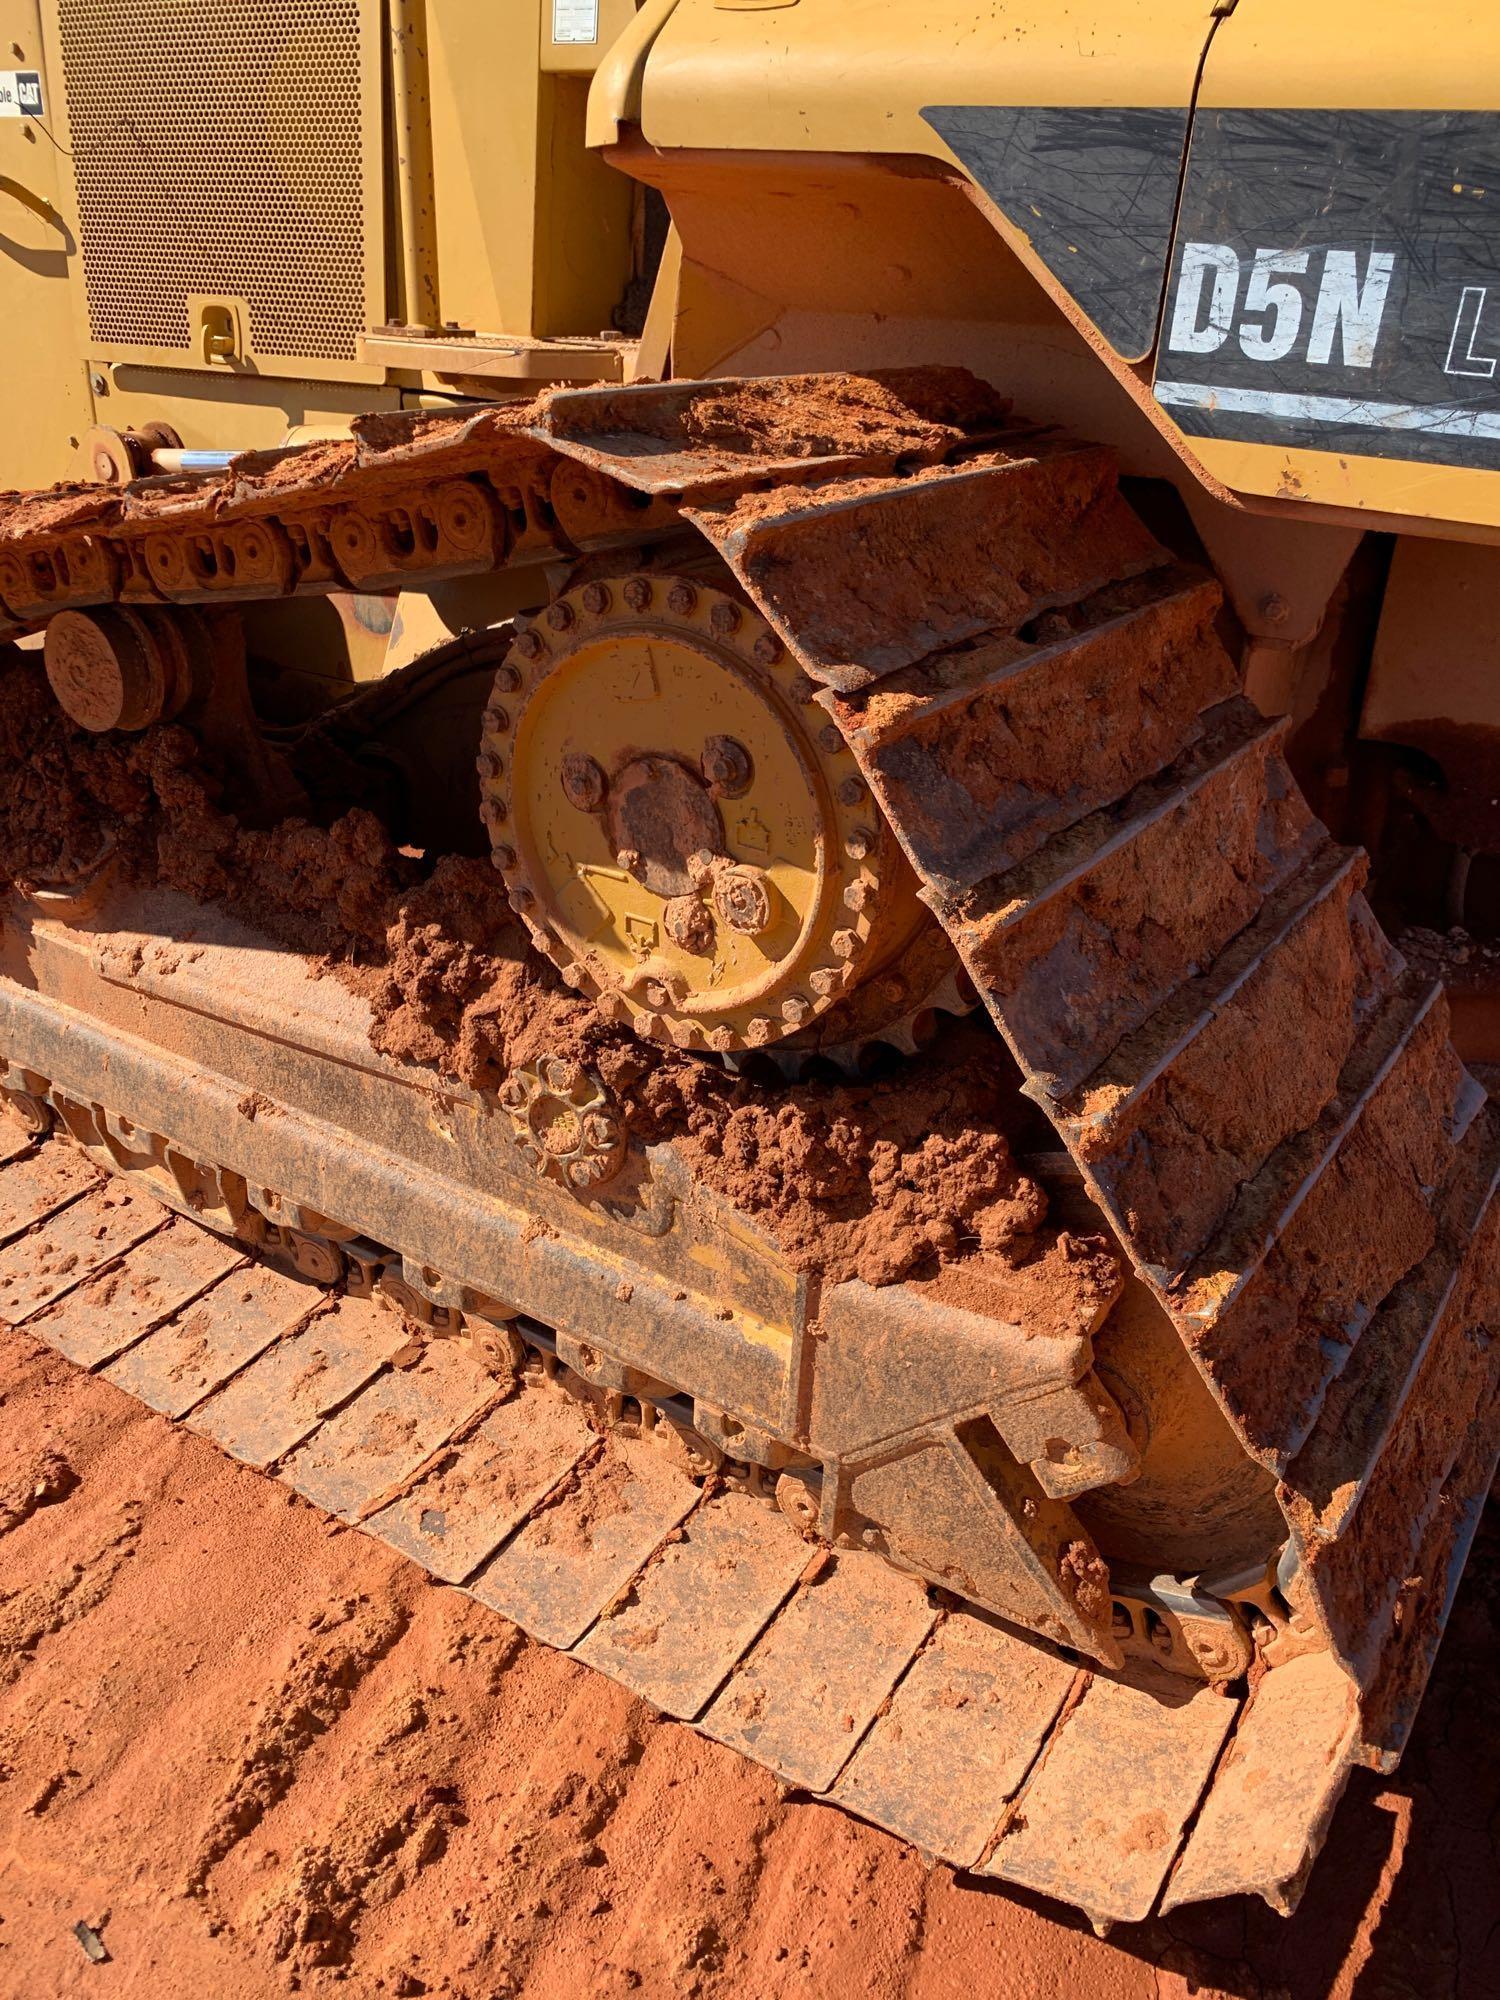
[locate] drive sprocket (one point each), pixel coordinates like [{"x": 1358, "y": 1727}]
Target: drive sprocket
[{"x": 682, "y": 829}]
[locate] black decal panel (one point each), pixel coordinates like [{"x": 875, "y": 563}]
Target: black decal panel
[
  {"x": 1094, "y": 191},
  {"x": 1335, "y": 284}
]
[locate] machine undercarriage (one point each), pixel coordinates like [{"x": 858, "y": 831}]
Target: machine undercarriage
[{"x": 897, "y": 1037}]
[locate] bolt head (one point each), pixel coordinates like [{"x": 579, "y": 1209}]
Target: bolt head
[
  {"x": 724, "y": 618},
  {"x": 768, "y": 649},
  {"x": 595, "y": 598},
  {"x": 496, "y": 721},
  {"x": 726, "y": 765},
  {"x": 559, "y": 616},
  {"x": 584, "y": 783},
  {"x": 742, "y": 897},
  {"x": 637, "y": 592}
]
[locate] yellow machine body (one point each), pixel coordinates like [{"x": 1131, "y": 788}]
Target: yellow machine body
[{"x": 846, "y": 627}]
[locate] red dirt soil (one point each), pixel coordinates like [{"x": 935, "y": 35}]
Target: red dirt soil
[
  {"x": 258, "y": 1754},
  {"x": 879, "y": 1181}
]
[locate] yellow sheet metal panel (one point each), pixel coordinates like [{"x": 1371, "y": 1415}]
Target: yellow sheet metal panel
[
  {"x": 47, "y": 399},
  {"x": 1332, "y": 331},
  {"x": 1072, "y": 123},
  {"x": 846, "y": 76},
  {"x": 532, "y": 230},
  {"x": 1362, "y": 54},
  {"x": 483, "y": 82}
]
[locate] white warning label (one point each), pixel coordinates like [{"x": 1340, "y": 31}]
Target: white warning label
[
  {"x": 21, "y": 92},
  {"x": 575, "y": 20}
]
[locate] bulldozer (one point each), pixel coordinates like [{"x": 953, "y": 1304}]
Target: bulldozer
[{"x": 783, "y": 711}]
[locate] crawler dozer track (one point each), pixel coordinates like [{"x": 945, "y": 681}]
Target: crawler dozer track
[{"x": 1017, "y": 684}]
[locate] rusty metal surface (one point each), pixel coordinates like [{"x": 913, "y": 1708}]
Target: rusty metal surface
[
  {"x": 481, "y": 1491},
  {"x": 1326, "y": 1482},
  {"x": 283, "y": 1396},
  {"x": 377, "y": 1442},
  {"x": 976, "y": 1705},
  {"x": 110, "y": 1312},
  {"x": 88, "y": 1233},
  {"x": 979, "y": 757},
  {"x": 196, "y": 1352},
  {"x": 1264, "y": 1819},
  {"x": 1103, "y": 1815},
  {"x": 1313, "y": 940},
  {"x": 716, "y": 438},
  {"x": 698, "y": 1607},
  {"x": 586, "y": 1542},
  {"x": 806, "y": 1692}
]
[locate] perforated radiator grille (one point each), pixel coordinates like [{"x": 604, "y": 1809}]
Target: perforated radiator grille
[{"x": 217, "y": 148}]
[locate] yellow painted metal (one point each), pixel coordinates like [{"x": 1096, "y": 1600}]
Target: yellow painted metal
[
  {"x": 578, "y": 57},
  {"x": 1356, "y": 55},
  {"x": 122, "y": 61},
  {"x": 852, "y": 76},
  {"x": 532, "y": 230},
  {"x": 501, "y": 359},
  {"x": 1432, "y": 675},
  {"x": 243, "y": 413},
  {"x": 615, "y": 96},
  {"x": 38, "y": 251},
  {"x": 477, "y": 203},
  {"x": 714, "y": 913},
  {"x": 841, "y": 85}
]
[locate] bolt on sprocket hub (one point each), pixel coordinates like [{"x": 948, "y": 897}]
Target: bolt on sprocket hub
[{"x": 681, "y": 827}]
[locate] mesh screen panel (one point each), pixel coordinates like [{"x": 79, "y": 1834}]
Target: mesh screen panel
[{"x": 217, "y": 147}]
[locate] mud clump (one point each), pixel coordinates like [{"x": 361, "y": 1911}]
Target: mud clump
[
  {"x": 882, "y": 1180},
  {"x": 876, "y": 1180},
  {"x": 887, "y": 410}
]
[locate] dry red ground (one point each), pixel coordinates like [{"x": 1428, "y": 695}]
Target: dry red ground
[{"x": 258, "y": 1754}]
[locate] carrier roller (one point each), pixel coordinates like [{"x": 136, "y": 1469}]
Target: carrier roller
[{"x": 965, "y": 681}]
